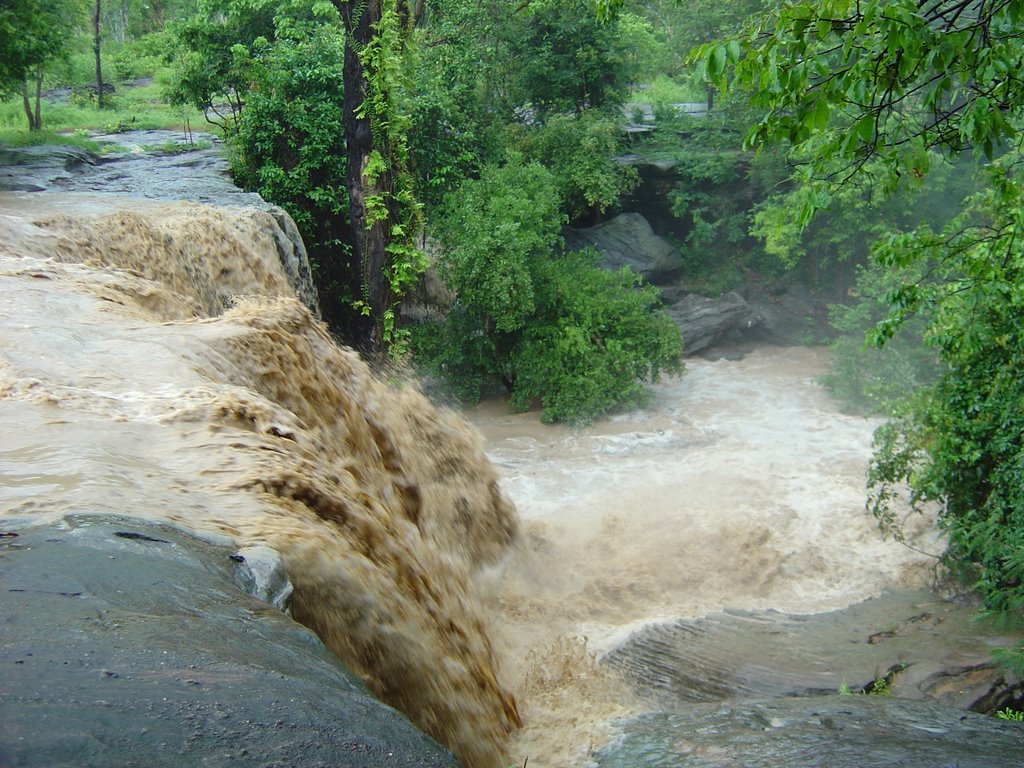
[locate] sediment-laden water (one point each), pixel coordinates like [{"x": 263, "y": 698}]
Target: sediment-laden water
[
  {"x": 155, "y": 363},
  {"x": 741, "y": 487}
]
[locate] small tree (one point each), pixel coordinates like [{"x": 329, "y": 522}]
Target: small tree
[
  {"x": 554, "y": 328},
  {"x": 33, "y": 33}
]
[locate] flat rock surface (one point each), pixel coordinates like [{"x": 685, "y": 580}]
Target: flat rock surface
[
  {"x": 126, "y": 643},
  {"x": 153, "y": 165},
  {"x": 943, "y": 652},
  {"x": 819, "y": 732}
]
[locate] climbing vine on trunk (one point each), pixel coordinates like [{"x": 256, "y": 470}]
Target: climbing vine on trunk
[{"x": 383, "y": 210}]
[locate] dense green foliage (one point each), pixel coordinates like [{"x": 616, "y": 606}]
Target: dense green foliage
[
  {"x": 33, "y": 34},
  {"x": 862, "y": 91},
  {"x": 555, "y": 328},
  {"x": 578, "y": 150},
  {"x": 213, "y": 50},
  {"x": 289, "y": 146}
]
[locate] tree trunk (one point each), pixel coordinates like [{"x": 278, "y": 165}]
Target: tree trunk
[
  {"x": 34, "y": 116},
  {"x": 368, "y": 242},
  {"x": 27, "y": 104},
  {"x": 122, "y": 32},
  {"x": 39, "y": 98},
  {"x": 96, "y": 51}
]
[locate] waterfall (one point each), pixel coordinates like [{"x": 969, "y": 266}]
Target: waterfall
[{"x": 155, "y": 362}]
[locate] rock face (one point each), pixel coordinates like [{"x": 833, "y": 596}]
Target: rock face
[
  {"x": 628, "y": 241},
  {"x": 131, "y": 643},
  {"x": 37, "y": 169},
  {"x": 760, "y": 688},
  {"x": 705, "y": 322},
  {"x": 200, "y": 175},
  {"x": 818, "y": 732}
]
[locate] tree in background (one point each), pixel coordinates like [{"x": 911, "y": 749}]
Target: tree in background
[
  {"x": 33, "y": 34},
  {"x": 383, "y": 211},
  {"x": 289, "y": 146},
  {"x": 862, "y": 92},
  {"x": 97, "y": 39},
  {"x": 212, "y": 51}
]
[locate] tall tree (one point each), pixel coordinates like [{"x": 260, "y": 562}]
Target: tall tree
[
  {"x": 97, "y": 40},
  {"x": 382, "y": 209}
]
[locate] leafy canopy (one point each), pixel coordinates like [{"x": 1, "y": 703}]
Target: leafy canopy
[
  {"x": 862, "y": 91},
  {"x": 34, "y": 33}
]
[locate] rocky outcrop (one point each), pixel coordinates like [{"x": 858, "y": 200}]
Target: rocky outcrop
[
  {"x": 761, "y": 689},
  {"x": 817, "y": 732},
  {"x": 944, "y": 652},
  {"x": 136, "y": 643},
  {"x": 40, "y": 168},
  {"x": 628, "y": 241},
  {"x": 705, "y": 322}
]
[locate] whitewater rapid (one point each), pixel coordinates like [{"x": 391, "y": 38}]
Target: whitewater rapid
[{"x": 742, "y": 486}]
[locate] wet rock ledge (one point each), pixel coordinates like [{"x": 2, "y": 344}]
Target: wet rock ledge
[{"x": 127, "y": 643}]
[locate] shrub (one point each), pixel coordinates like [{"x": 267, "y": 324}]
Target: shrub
[{"x": 554, "y": 329}]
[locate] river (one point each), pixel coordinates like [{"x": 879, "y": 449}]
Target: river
[
  {"x": 741, "y": 487},
  {"x": 154, "y": 363}
]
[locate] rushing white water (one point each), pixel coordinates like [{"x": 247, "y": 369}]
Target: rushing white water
[
  {"x": 742, "y": 486},
  {"x": 155, "y": 363}
]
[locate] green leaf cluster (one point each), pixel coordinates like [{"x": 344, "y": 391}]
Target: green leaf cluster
[
  {"x": 554, "y": 328},
  {"x": 288, "y": 144},
  {"x": 34, "y": 33},
  {"x": 579, "y": 150},
  {"x": 959, "y": 444}
]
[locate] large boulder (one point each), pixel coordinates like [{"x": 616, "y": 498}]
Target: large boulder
[
  {"x": 128, "y": 643},
  {"x": 705, "y": 322},
  {"x": 628, "y": 241},
  {"x": 790, "y": 315}
]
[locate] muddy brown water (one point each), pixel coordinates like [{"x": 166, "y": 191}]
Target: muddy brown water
[{"x": 153, "y": 363}]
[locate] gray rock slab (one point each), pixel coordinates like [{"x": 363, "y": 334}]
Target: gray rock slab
[
  {"x": 126, "y": 643},
  {"x": 140, "y": 172},
  {"x": 944, "y": 653},
  {"x": 704, "y": 322},
  {"x": 820, "y": 732},
  {"x": 628, "y": 241}
]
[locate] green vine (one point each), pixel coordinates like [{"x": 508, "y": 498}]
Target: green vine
[{"x": 385, "y": 68}]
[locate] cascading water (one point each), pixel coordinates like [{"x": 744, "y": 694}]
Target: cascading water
[
  {"x": 155, "y": 363},
  {"x": 742, "y": 486}
]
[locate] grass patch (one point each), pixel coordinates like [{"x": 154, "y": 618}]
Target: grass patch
[
  {"x": 131, "y": 108},
  {"x": 22, "y": 138},
  {"x": 665, "y": 90}
]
